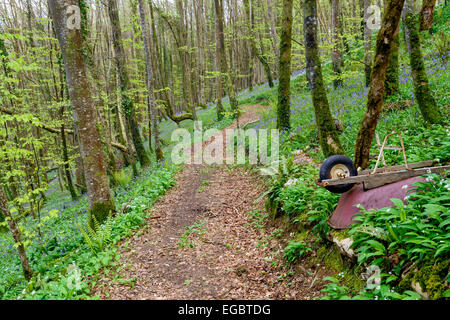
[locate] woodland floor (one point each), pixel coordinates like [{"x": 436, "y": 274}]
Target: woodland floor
[{"x": 229, "y": 258}]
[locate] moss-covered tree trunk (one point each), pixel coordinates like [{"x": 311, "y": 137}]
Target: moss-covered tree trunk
[
  {"x": 422, "y": 92},
  {"x": 80, "y": 179},
  {"x": 328, "y": 135},
  {"x": 284, "y": 87},
  {"x": 70, "y": 40},
  {"x": 375, "y": 98},
  {"x": 392, "y": 74},
  {"x": 367, "y": 35},
  {"x": 220, "y": 56},
  {"x": 426, "y": 14},
  {"x": 15, "y": 231},
  {"x": 127, "y": 102}
]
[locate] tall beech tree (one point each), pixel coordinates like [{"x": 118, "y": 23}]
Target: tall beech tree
[
  {"x": 336, "y": 54},
  {"x": 148, "y": 65},
  {"x": 392, "y": 82},
  {"x": 251, "y": 34},
  {"x": 183, "y": 49},
  {"x": 284, "y": 87},
  {"x": 101, "y": 203},
  {"x": 328, "y": 135},
  {"x": 367, "y": 36},
  {"x": 124, "y": 79},
  {"x": 392, "y": 74},
  {"x": 426, "y": 14},
  {"x": 375, "y": 98},
  {"x": 222, "y": 60},
  {"x": 422, "y": 92}
]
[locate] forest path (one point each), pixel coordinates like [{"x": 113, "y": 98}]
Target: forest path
[{"x": 201, "y": 242}]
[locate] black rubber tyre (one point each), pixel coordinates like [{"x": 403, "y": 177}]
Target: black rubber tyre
[{"x": 331, "y": 165}]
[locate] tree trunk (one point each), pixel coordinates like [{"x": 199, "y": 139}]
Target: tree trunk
[
  {"x": 273, "y": 31},
  {"x": 163, "y": 78},
  {"x": 188, "y": 94},
  {"x": 127, "y": 103},
  {"x": 198, "y": 7},
  {"x": 284, "y": 87},
  {"x": 328, "y": 135},
  {"x": 101, "y": 204},
  {"x": 222, "y": 62},
  {"x": 422, "y": 92},
  {"x": 221, "y": 59},
  {"x": 70, "y": 186},
  {"x": 14, "y": 228},
  {"x": 426, "y": 14},
  {"x": 389, "y": 28},
  {"x": 367, "y": 46},
  {"x": 151, "y": 101},
  {"x": 336, "y": 55},
  {"x": 392, "y": 82},
  {"x": 256, "y": 52}
]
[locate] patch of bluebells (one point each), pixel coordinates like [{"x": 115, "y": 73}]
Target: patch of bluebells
[
  {"x": 348, "y": 102},
  {"x": 61, "y": 237}
]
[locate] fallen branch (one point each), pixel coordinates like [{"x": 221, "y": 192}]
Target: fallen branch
[{"x": 42, "y": 125}]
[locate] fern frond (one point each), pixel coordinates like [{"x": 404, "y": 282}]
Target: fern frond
[
  {"x": 97, "y": 236},
  {"x": 86, "y": 237}
]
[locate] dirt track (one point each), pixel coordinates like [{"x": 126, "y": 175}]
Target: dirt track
[{"x": 226, "y": 255}]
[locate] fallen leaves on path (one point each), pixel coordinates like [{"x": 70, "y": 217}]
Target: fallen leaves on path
[
  {"x": 233, "y": 259},
  {"x": 205, "y": 244}
]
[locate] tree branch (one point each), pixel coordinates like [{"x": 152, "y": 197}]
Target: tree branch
[{"x": 67, "y": 131}]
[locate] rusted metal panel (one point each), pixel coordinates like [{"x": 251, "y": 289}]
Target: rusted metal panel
[{"x": 343, "y": 215}]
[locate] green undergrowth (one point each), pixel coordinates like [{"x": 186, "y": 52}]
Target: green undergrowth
[
  {"x": 406, "y": 244},
  {"x": 310, "y": 250},
  {"x": 410, "y": 241},
  {"x": 63, "y": 262}
]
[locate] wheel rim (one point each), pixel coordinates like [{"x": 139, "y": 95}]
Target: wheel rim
[{"x": 339, "y": 171}]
